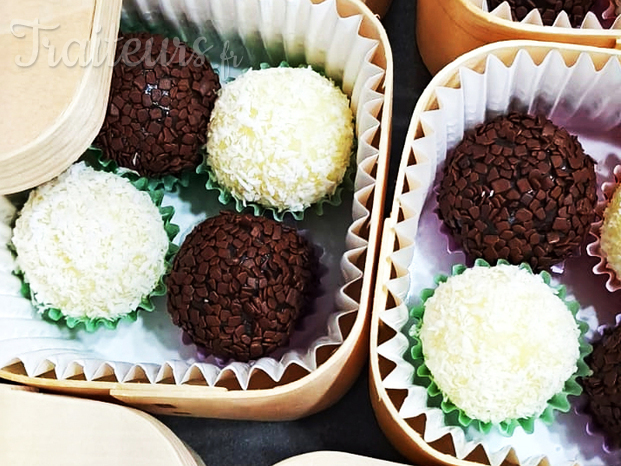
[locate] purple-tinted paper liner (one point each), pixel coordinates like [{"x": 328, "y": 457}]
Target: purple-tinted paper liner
[
  {"x": 581, "y": 408},
  {"x": 594, "y": 248},
  {"x": 609, "y": 14}
]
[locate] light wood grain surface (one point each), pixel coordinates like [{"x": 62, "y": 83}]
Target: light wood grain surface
[
  {"x": 446, "y": 29},
  {"x": 57, "y": 103},
  {"x": 53, "y": 430},
  {"x": 334, "y": 458}
]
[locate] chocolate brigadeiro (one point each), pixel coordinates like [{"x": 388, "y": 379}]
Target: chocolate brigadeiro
[
  {"x": 239, "y": 284},
  {"x": 518, "y": 188},
  {"x": 603, "y": 387},
  {"x": 549, "y": 9},
  {"x": 161, "y": 97}
]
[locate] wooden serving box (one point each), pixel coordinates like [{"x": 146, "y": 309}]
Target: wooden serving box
[
  {"x": 298, "y": 393},
  {"x": 446, "y": 29},
  {"x": 396, "y": 253}
]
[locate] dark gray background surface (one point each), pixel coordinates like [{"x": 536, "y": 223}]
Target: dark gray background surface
[{"x": 350, "y": 425}]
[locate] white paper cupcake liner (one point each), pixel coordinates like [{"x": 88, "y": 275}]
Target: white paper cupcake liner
[
  {"x": 594, "y": 249},
  {"x": 151, "y": 349},
  {"x": 582, "y": 99},
  {"x": 590, "y": 22}
]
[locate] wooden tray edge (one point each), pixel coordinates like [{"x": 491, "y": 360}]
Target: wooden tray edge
[
  {"x": 313, "y": 392},
  {"x": 446, "y": 29},
  {"x": 407, "y": 440}
]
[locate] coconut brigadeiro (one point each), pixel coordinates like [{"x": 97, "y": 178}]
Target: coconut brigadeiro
[
  {"x": 91, "y": 246},
  {"x": 281, "y": 138}
]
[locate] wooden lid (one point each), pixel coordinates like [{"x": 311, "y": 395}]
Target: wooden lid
[
  {"x": 40, "y": 429},
  {"x": 334, "y": 458},
  {"x": 55, "y": 65}
]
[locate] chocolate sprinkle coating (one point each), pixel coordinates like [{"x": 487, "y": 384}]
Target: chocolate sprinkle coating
[
  {"x": 161, "y": 97},
  {"x": 549, "y": 9},
  {"x": 518, "y": 188},
  {"x": 603, "y": 387},
  {"x": 239, "y": 284}
]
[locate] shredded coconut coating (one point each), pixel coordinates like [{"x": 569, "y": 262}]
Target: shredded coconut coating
[
  {"x": 499, "y": 343},
  {"x": 90, "y": 244},
  {"x": 610, "y": 232},
  {"x": 280, "y": 137}
]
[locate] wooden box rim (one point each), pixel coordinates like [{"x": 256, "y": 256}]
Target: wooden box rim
[
  {"x": 446, "y": 29},
  {"x": 312, "y": 392},
  {"x": 405, "y": 438}
]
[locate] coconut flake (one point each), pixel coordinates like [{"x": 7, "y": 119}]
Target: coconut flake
[
  {"x": 90, "y": 244},
  {"x": 280, "y": 137},
  {"x": 611, "y": 233},
  {"x": 499, "y": 342}
]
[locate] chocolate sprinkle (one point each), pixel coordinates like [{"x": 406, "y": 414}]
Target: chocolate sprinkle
[
  {"x": 549, "y": 9},
  {"x": 603, "y": 387},
  {"x": 518, "y": 188},
  {"x": 239, "y": 284},
  {"x": 161, "y": 96}
]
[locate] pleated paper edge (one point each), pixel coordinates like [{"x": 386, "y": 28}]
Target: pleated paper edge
[
  {"x": 421, "y": 177},
  {"x": 503, "y": 11}
]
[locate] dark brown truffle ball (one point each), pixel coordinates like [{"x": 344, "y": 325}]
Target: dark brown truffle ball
[
  {"x": 603, "y": 387},
  {"x": 518, "y": 188},
  {"x": 239, "y": 284},
  {"x": 161, "y": 97},
  {"x": 549, "y": 9}
]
